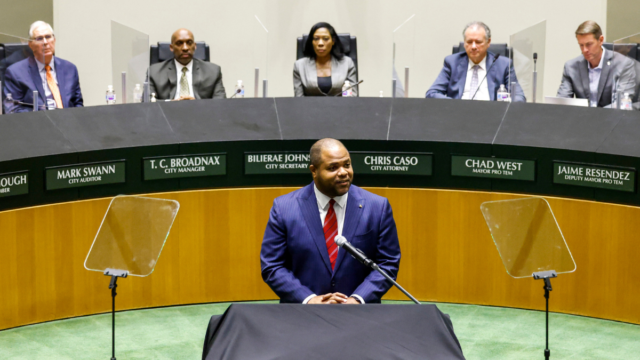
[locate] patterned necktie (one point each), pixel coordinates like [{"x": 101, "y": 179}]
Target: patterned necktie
[
  {"x": 53, "y": 87},
  {"x": 330, "y": 232},
  {"x": 474, "y": 81},
  {"x": 184, "y": 83}
]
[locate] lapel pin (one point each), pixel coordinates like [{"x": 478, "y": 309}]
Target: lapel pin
[
  {"x": 360, "y": 206},
  {"x": 608, "y": 63}
]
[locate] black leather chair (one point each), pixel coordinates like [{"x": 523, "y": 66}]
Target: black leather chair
[
  {"x": 349, "y": 44},
  {"x": 161, "y": 52},
  {"x": 501, "y": 49},
  {"x": 631, "y": 50}
]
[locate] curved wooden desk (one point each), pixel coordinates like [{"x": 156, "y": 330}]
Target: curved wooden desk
[{"x": 212, "y": 255}]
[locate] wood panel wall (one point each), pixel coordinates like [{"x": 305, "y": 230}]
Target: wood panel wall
[{"x": 212, "y": 255}]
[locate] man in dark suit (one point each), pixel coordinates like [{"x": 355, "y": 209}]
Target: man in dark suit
[
  {"x": 463, "y": 73},
  {"x": 55, "y": 79},
  {"x": 299, "y": 258},
  {"x": 183, "y": 77},
  {"x": 591, "y": 75}
]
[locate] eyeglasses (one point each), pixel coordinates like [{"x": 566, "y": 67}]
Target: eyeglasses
[{"x": 47, "y": 37}]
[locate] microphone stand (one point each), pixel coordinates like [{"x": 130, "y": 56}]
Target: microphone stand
[
  {"x": 377, "y": 268},
  {"x": 369, "y": 263},
  {"x": 535, "y": 76}
]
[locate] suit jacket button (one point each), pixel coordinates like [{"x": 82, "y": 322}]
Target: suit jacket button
[{"x": 333, "y": 284}]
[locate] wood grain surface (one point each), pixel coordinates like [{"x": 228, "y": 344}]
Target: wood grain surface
[{"x": 212, "y": 255}]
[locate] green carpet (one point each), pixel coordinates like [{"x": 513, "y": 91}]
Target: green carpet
[{"x": 178, "y": 333}]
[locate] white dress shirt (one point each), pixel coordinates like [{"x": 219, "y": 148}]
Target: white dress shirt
[
  {"x": 594, "y": 80},
  {"x": 51, "y": 102},
  {"x": 483, "y": 91},
  {"x": 339, "y": 207},
  {"x": 189, "y": 67}
]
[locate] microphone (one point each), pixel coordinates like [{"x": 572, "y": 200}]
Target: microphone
[
  {"x": 349, "y": 87},
  {"x": 356, "y": 253},
  {"x": 16, "y": 102},
  {"x": 485, "y": 75},
  {"x": 238, "y": 91}
]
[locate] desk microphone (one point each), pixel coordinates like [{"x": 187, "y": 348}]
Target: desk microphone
[
  {"x": 349, "y": 88},
  {"x": 361, "y": 257},
  {"x": 238, "y": 91},
  {"x": 355, "y": 252},
  {"x": 16, "y": 102},
  {"x": 485, "y": 75}
]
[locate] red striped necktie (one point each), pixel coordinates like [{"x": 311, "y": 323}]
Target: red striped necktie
[{"x": 330, "y": 232}]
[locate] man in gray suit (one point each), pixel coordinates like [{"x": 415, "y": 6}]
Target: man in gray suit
[
  {"x": 592, "y": 75},
  {"x": 183, "y": 77}
]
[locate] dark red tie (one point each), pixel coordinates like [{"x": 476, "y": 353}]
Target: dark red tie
[{"x": 330, "y": 232}]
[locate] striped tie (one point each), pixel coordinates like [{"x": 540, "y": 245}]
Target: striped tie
[
  {"x": 474, "y": 81},
  {"x": 330, "y": 232}
]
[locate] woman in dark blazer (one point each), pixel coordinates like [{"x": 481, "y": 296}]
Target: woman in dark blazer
[{"x": 325, "y": 68}]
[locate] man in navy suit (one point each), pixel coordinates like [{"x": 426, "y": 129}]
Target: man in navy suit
[
  {"x": 55, "y": 79},
  {"x": 299, "y": 258},
  {"x": 463, "y": 73}
]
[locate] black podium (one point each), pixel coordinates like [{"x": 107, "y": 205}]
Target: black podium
[{"x": 293, "y": 331}]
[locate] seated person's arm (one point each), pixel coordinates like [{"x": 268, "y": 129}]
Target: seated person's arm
[
  {"x": 566, "y": 86},
  {"x": 439, "y": 87},
  {"x": 272, "y": 260},
  {"x": 375, "y": 285},
  {"x": 627, "y": 82},
  {"x": 218, "y": 88},
  {"x": 12, "y": 86},
  {"x": 76, "y": 99},
  {"x": 352, "y": 76},
  {"x": 298, "y": 89}
]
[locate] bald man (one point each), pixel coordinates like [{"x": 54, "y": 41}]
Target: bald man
[
  {"x": 183, "y": 77},
  {"x": 299, "y": 258}
]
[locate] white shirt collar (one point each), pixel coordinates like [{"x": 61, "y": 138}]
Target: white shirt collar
[
  {"x": 180, "y": 66},
  {"x": 601, "y": 61},
  {"x": 323, "y": 200},
  {"x": 41, "y": 65},
  {"x": 482, "y": 63}
]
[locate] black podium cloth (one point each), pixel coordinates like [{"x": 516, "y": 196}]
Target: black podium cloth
[{"x": 307, "y": 332}]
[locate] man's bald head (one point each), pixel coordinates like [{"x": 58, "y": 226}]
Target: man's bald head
[
  {"x": 178, "y": 33},
  {"x": 316, "y": 149}
]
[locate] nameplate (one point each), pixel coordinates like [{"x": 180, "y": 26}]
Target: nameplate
[
  {"x": 80, "y": 175},
  {"x": 16, "y": 183},
  {"x": 594, "y": 176},
  {"x": 184, "y": 166},
  {"x": 276, "y": 162},
  {"x": 488, "y": 167},
  {"x": 393, "y": 163}
]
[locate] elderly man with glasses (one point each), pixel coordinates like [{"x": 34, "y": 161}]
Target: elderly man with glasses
[{"x": 55, "y": 79}]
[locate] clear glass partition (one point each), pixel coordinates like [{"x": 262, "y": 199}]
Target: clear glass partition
[
  {"x": 626, "y": 92},
  {"x": 260, "y": 47},
  {"x": 403, "y": 56},
  {"x": 14, "y": 49},
  {"x": 129, "y": 55},
  {"x": 132, "y": 235},
  {"x": 528, "y": 55},
  {"x": 527, "y": 236}
]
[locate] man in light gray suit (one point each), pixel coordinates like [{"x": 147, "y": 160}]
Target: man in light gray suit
[
  {"x": 183, "y": 77},
  {"x": 592, "y": 75}
]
